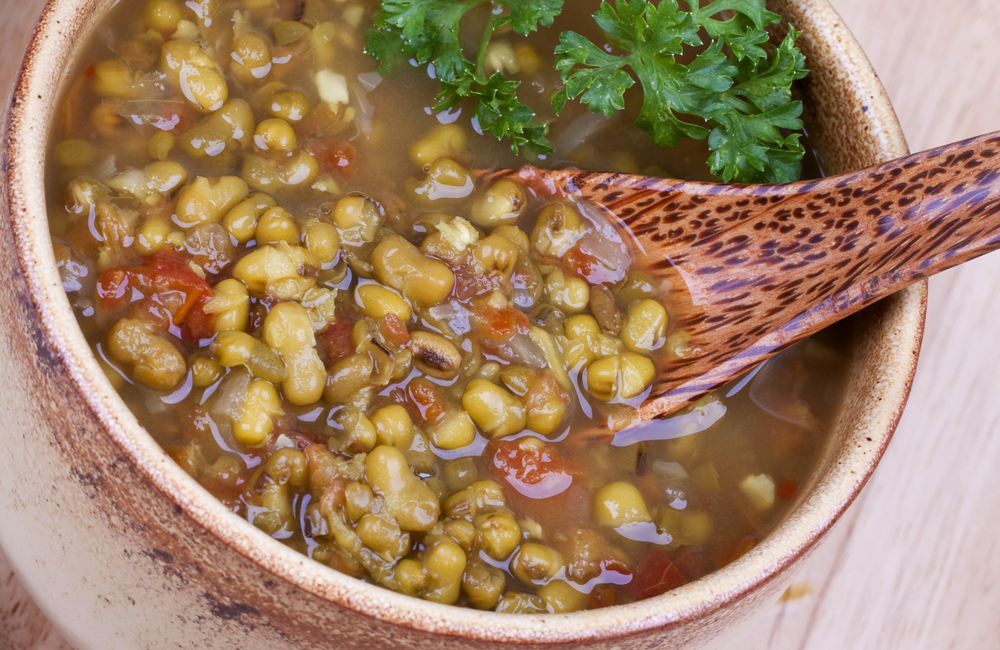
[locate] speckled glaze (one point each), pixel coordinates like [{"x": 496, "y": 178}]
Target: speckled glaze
[{"x": 124, "y": 551}]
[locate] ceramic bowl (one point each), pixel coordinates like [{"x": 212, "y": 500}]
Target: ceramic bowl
[{"x": 122, "y": 549}]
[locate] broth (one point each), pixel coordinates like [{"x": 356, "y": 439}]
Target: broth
[{"x": 459, "y": 419}]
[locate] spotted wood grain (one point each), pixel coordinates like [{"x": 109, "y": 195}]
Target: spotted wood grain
[{"x": 760, "y": 267}]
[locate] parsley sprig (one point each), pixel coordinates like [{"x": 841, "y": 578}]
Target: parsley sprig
[
  {"x": 429, "y": 32},
  {"x": 739, "y": 92},
  {"x": 736, "y": 90}
]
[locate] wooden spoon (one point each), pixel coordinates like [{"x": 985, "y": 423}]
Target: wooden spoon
[{"x": 768, "y": 265}]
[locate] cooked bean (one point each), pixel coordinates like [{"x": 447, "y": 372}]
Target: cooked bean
[
  {"x": 393, "y": 426},
  {"x": 322, "y": 240},
  {"x": 435, "y": 355},
  {"x": 241, "y": 221},
  {"x": 499, "y": 534},
  {"x": 161, "y": 144},
  {"x": 561, "y": 597},
  {"x": 620, "y": 503},
  {"x": 480, "y": 497},
  {"x": 155, "y": 361},
  {"x": 446, "y": 181},
  {"x": 410, "y": 576},
  {"x": 645, "y": 326},
  {"x": 518, "y": 602},
  {"x": 114, "y": 78},
  {"x": 290, "y": 105},
  {"x": 283, "y": 272},
  {"x": 282, "y": 473},
  {"x": 622, "y": 375},
  {"x": 536, "y": 563},
  {"x": 602, "y": 306},
  {"x": 288, "y": 331},
  {"x": 227, "y": 129},
  {"x": 361, "y": 433},
  {"x": 237, "y": 348},
  {"x": 460, "y": 530},
  {"x": 74, "y": 153},
  {"x": 443, "y": 140},
  {"x": 347, "y": 377},
  {"x": 460, "y": 473},
  {"x": 205, "y": 371},
  {"x": 152, "y": 235},
  {"x": 251, "y": 57},
  {"x": 376, "y": 301},
  {"x": 421, "y": 279},
  {"x": 497, "y": 254},
  {"x": 482, "y": 584},
  {"x": 277, "y": 225},
  {"x": 444, "y": 562},
  {"x": 275, "y": 135},
  {"x": 455, "y": 431},
  {"x": 208, "y": 200},
  {"x": 501, "y": 204},
  {"x": 559, "y": 228},
  {"x": 196, "y": 74},
  {"x": 381, "y": 536},
  {"x": 358, "y": 219},
  {"x": 495, "y": 411},
  {"x": 230, "y": 304},
  {"x": 299, "y": 169},
  {"x": 569, "y": 293},
  {"x": 407, "y": 499},
  {"x": 257, "y": 420},
  {"x": 163, "y": 15}
]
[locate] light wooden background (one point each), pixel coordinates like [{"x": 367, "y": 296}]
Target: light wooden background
[{"x": 914, "y": 564}]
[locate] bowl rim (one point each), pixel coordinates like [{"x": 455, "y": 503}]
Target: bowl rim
[{"x": 48, "y": 62}]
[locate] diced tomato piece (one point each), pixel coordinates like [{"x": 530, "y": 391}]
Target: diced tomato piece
[
  {"x": 117, "y": 287},
  {"x": 160, "y": 273},
  {"x": 603, "y": 596},
  {"x": 656, "y": 575},
  {"x": 502, "y": 323},
  {"x": 425, "y": 400},
  {"x": 171, "y": 271},
  {"x": 338, "y": 339},
  {"x": 786, "y": 490},
  {"x": 333, "y": 156},
  {"x": 198, "y": 324},
  {"x": 394, "y": 330},
  {"x": 536, "y": 471},
  {"x": 587, "y": 267},
  {"x": 90, "y": 71}
]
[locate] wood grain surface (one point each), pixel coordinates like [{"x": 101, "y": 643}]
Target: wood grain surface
[{"x": 915, "y": 563}]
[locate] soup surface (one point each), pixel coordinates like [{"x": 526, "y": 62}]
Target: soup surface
[{"x": 290, "y": 270}]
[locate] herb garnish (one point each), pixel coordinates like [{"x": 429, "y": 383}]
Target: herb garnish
[
  {"x": 428, "y": 32},
  {"x": 736, "y": 91}
]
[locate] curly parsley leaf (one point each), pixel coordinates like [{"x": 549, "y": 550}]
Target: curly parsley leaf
[
  {"x": 428, "y": 32},
  {"x": 735, "y": 91},
  {"x": 525, "y": 16}
]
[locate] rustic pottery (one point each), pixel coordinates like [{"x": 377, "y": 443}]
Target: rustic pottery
[{"x": 123, "y": 550}]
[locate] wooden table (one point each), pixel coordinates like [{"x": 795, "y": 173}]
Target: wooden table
[{"x": 915, "y": 563}]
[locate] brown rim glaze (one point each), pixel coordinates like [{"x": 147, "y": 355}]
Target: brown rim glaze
[{"x": 856, "y": 111}]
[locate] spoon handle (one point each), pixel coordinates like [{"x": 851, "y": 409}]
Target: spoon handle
[{"x": 765, "y": 266}]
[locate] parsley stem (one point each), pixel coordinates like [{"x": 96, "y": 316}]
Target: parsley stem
[{"x": 483, "y": 45}]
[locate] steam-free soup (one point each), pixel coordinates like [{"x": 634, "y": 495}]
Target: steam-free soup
[{"x": 290, "y": 268}]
